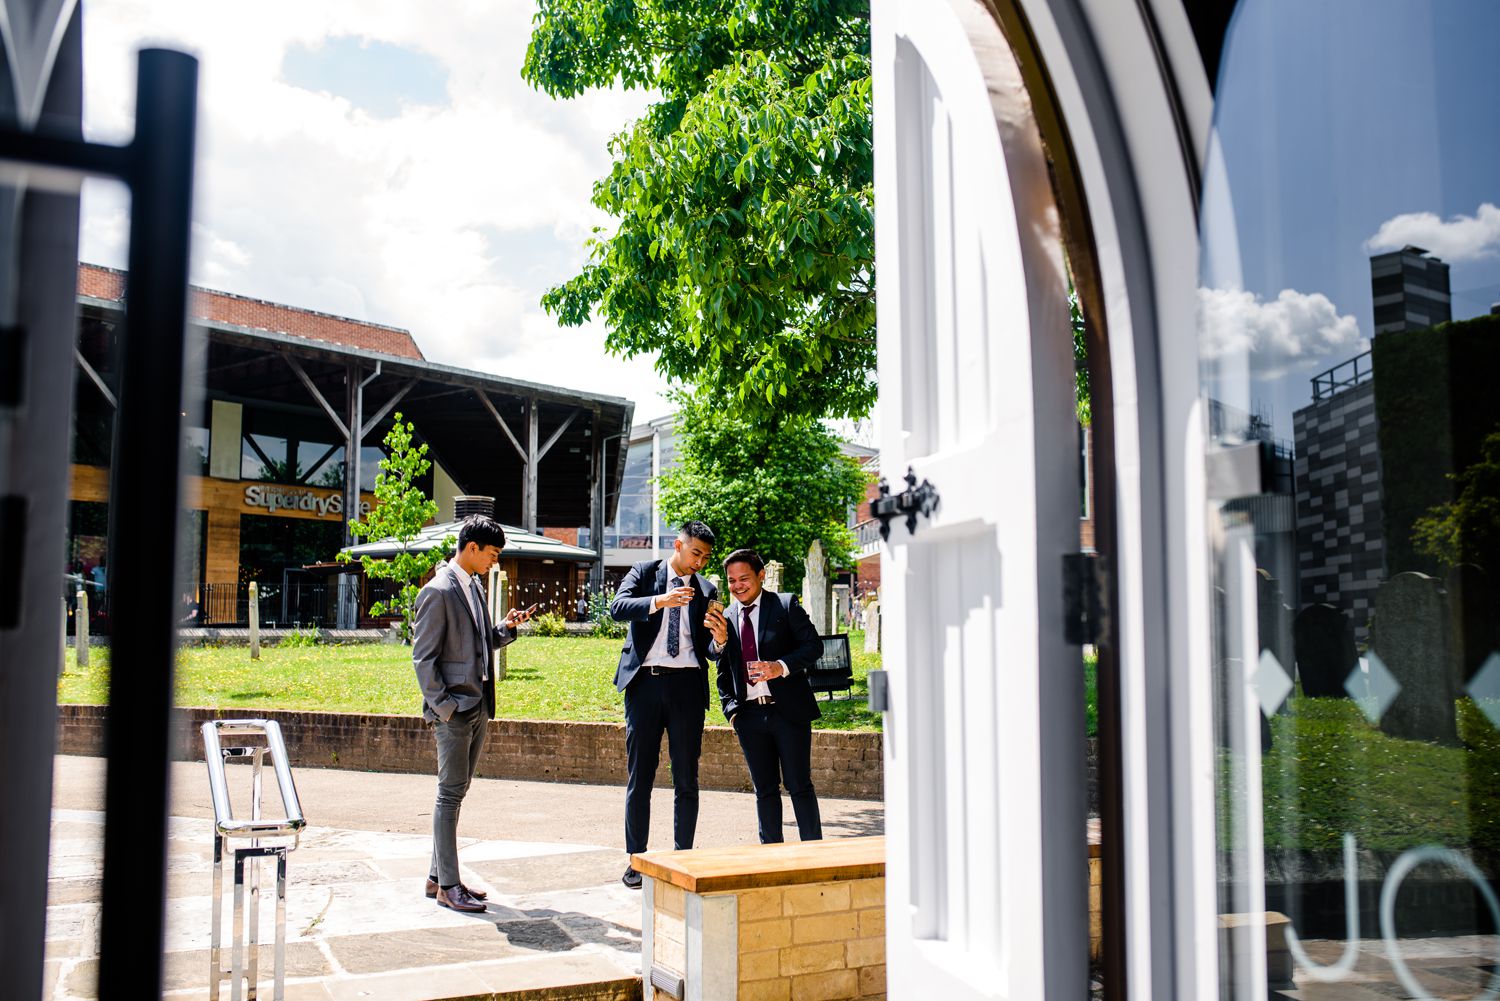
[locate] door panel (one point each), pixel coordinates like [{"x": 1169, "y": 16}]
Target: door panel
[{"x": 976, "y": 391}]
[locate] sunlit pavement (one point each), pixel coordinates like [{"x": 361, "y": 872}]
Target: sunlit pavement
[{"x": 357, "y": 922}]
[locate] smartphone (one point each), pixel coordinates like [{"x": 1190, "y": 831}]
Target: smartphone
[
  {"x": 532, "y": 610},
  {"x": 715, "y": 605}
]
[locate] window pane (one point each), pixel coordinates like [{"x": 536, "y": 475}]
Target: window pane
[{"x": 1350, "y": 234}]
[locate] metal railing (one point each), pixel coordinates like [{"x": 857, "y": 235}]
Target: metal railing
[
  {"x": 247, "y": 890},
  {"x": 1346, "y": 375}
]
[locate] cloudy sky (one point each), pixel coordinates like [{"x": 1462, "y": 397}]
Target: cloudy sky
[{"x": 373, "y": 160}]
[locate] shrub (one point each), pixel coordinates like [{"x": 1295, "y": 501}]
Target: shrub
[
  {"x": 549, "y": 624},
  {"x": 300, "y": 637},
  {"x": 604, "y": 623}
]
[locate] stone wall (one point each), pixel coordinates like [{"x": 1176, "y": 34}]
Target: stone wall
[
  {"x": 816, "y": 940},
  {"x": 846, "y": 765}
]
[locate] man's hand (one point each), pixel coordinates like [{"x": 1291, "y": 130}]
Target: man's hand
[
  {"x": 717, "y": 625},
  {"x": 516, "y": 616},
  {"x": 763, "y": 670},
  {"x": 677, "y": 597}
]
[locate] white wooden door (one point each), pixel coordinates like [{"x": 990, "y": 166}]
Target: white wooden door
[{"x": 986, "y": 893}]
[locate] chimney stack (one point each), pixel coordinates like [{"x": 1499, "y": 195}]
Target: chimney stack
[{"x": 465, "y": 505}]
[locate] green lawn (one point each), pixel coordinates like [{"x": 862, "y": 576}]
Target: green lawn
[{"x": 557, "y": 678}]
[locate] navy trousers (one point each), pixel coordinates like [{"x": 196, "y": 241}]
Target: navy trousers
[
  {"x": 671, "y": 704},
  {"x": 778, "y": 752}
]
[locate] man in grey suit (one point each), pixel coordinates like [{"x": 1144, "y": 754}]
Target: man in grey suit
[{"x": 451, "y": 654}]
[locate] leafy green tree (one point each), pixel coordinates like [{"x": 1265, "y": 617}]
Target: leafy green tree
[
  {"x": 400, "y": 512},
  {"x": 1080, "y": 360},
  {"x": 772, "y": 488},
  {"x": 744, "y": 249},
  {"x": 1467, "y": 529}
]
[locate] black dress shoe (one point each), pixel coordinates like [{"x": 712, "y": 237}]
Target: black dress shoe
[
  {"x": 459, "y": 899},
  {"x": 431, "y": 890},
  {"x": 631, "y": 878}
]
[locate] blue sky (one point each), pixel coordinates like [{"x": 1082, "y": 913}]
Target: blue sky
[
  {"x": 370, "y": 159},
  {"x": 1347, "y": 127}
]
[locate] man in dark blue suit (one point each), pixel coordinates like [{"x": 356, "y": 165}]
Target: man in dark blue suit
[
  {"x": 664, "y": 674},
  {"x": 762, "y": 679}
]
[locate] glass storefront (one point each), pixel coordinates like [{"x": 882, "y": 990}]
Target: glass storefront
[{"x": 1350, "y": 257}]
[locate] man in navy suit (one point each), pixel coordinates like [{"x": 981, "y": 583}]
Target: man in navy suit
[
  {"x": 769, "y": 646},
  {"x": 664, "y": 674}
]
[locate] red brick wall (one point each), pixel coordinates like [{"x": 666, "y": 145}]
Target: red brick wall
[
  {"x": 567, "y": 536},
  {"x": 845, "y": 765},
  {"x": 257, "y": 314}
]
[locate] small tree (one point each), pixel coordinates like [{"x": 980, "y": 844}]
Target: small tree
[{"x": 401, "y": 511}]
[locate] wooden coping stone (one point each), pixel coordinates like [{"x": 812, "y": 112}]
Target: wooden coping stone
[{"x": 748, "y": 867}]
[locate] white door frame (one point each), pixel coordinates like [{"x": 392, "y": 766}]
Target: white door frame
[{"x": 1129, "y": 84}]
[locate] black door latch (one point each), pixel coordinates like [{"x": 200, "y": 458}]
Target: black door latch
[{"x": 912, "y": 501}]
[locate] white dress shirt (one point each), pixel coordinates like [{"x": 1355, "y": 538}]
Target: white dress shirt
[
  {"x": 470, "y": 584},
  {"x": 657, "y": 656},
  {"x": 760, "y": 689}
]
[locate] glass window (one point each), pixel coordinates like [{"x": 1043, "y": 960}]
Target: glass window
[
  {"x": 632, "y": 525},
  {"x": 1350, "y": 236},
  {"x": 320, "y": 464},
  {"x": 264, "y": 457}
]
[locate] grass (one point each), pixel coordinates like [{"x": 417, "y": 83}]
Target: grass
[
  {"x": 552, "y": 678},
  {"x": 1329, "y": 771}
]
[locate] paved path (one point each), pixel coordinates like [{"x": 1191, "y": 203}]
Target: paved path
[{"x": 357, "y": 923}]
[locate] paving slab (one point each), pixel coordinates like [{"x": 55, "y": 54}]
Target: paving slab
[{"x": 558, "y": 925}]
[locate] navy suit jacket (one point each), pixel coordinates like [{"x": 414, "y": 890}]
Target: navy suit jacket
[
  {"x": 632, "y": 604},
  {"x": 783, "y": 632}
]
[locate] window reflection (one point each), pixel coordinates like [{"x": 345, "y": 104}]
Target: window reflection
[{"x": 1351, "y": 253}]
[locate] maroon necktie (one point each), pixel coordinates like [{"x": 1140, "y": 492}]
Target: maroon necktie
[{"x": 748, "y": 651}]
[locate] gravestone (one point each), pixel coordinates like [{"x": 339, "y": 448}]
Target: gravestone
[
  {"x": 773, "y": 576},
  {"x": 815, "y": 588},
  {"x": 872, "y": 626},
  {"x": 1474, "y": 603},
  {"x": 840, "y": 606},
  {"x": 1412, "y": 637},
  {"x": 1274, "y": 620},
  {"x": 1324, "y": 645}
]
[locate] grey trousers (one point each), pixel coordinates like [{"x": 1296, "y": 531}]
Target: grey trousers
[{"x": 459, "y": 741}]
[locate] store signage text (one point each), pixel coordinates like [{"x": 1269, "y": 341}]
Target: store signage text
[{"x": 275, "y": 499}]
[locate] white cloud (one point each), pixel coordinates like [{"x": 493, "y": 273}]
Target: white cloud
[
  {"x": 1460, "y": 238},
  {"x": 416, "y": 220},
  {"x": 1294, "y": 331}
]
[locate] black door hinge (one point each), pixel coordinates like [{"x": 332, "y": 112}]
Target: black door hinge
[
  {"x": 912, "y": 501},
  {"x": 1085, "y": 598}
]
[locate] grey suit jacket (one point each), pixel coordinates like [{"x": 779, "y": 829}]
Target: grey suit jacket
[{"x": 450, "y": 650}]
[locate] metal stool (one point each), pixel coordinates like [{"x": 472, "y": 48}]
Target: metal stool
[{"x": 215, "y": 754}]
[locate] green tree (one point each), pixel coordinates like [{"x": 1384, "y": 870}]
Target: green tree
[
  {"x": 774, "y": 488},
  {"x": 744, "y": 249},
  {"x": 400, "y": 512},
  {"x": 1467, "y": 529}
]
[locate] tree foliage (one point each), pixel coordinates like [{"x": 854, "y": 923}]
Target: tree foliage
[
  {"x": 400, "y": 513},
  {"x": 744, "y": 250},
  {"x": 773, "y": 489},
  {"x": 1467, "y": 529}
]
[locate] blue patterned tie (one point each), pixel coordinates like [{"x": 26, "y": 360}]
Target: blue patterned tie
[{"x": 674, "y": 625}]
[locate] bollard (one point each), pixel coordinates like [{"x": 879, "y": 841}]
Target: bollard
[
  {"x": 254, "y": 621},
  {"x": 499, "y": 603},
  {"x": 81, "y": 629},
  {"x": 62, "y": 647}
]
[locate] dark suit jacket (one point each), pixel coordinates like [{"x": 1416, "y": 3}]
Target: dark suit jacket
[
  {"x": 451, "y": 651},
  {"x": 783, "y": 632},
  {"x": 632, "y": 604}
]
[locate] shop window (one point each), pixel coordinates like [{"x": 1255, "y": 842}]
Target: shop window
[{"x": 264, "y": 457}]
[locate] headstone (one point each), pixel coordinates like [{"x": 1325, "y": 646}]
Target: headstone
[
  {"x": 815, "y": 588},
  {"x": 1412, "y": 639},
  {"x": 773, "y": 576},
  {"x": 1324, "y": 645},
  {"x": 872, "y": 626},
  {"x": 1474, "y": 603},
  {"x": 499, "y": 599},
  {"x": 348, "y": 598},
  {"x": 1274, "y": 622},
  {"x": 840, "y": 606}
]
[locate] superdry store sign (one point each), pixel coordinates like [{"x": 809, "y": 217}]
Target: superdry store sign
[{"x": 322, "y": 505}]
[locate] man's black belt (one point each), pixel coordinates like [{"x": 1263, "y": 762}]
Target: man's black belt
[{"x": 655, "y": 669}]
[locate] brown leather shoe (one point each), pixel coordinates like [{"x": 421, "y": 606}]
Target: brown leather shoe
[
  {"x": 460, "y": 899},
  {"x": 431, "y": 890}
]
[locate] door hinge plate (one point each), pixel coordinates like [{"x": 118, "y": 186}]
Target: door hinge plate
[{"x": 1085, "y": 598}]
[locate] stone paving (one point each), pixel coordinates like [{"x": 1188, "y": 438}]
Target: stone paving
[{"x": 357, "y": 924}]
